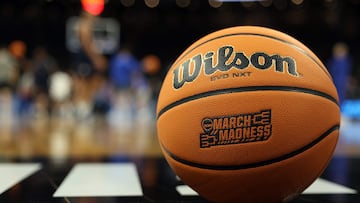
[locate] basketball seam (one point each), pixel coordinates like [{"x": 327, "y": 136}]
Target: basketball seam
[
  {"x": 266, "y": 36},
  {"x": 255, "y": 164},
  {"x": 246, "y": 89}
]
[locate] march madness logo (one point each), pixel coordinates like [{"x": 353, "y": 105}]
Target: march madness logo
[{"x": 236, "y": 129}]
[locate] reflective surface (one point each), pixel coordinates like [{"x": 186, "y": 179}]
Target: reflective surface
[{"x": 59, "y": 146}]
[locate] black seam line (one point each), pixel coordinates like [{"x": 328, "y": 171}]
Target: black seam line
[
  {"x": 246, "y": 89},
  {"x": 261, "y": 35},
  {"x": 256, "y": 164}
]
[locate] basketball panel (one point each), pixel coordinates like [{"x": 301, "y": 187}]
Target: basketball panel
[
  {"x": 269, "y": 183},
  {"x": 289, "y": 117},
  {"x": 303, "y": 72}
]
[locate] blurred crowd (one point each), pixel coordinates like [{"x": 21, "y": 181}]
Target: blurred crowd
[{"x": 120, "y": 88}]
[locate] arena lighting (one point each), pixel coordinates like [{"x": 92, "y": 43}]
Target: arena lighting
[
  {"x": 297, "y": 2},
  {"x": 152, "y": 3},
  {"x": 215, "y": 3},
  {"x": 239, "y": 0},
  {"x": 94, "y": 7}
]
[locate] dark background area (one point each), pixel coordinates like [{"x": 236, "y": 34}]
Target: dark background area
[{"x": 168, "y": 29}]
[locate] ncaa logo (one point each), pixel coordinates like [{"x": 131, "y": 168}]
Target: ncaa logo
[{"x": 207, "y": 125}]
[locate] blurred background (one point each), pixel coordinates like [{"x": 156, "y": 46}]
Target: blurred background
[
  {"x": 79, "y": 79},
  {"x": 77, "y": 76}
]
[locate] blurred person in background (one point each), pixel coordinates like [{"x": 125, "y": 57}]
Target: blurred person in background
[
  {"x": 25, "y": 91},
  {"x": 25, "y": 80},
  {"x": 102, "y": 97},
  {"x": 340, "y": 67},
  {"x": 60, "y": 90},
  {"x": 8, "y": 78},
  {"x": 90, "y": 65},
  {"x": 8, "y": 69},
  {"x": 126, "y": 77},
  {"x": 151, "y": 65},
  {"x": 143, "y": 114},
  {"x": 44, "y": 66}
]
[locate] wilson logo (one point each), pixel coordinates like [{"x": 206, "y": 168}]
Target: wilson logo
[
  {"x": 236, "y": 129},
  {"x": 226, "y": 59}
]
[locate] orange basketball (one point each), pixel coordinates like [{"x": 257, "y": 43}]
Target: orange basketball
[{"x": 248, "y": 114}]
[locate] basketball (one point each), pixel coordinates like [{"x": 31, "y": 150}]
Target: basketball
[{"x": 248, "y": 114}]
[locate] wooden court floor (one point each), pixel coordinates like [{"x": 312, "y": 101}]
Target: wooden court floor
[{"x": 58, "y": 160}]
